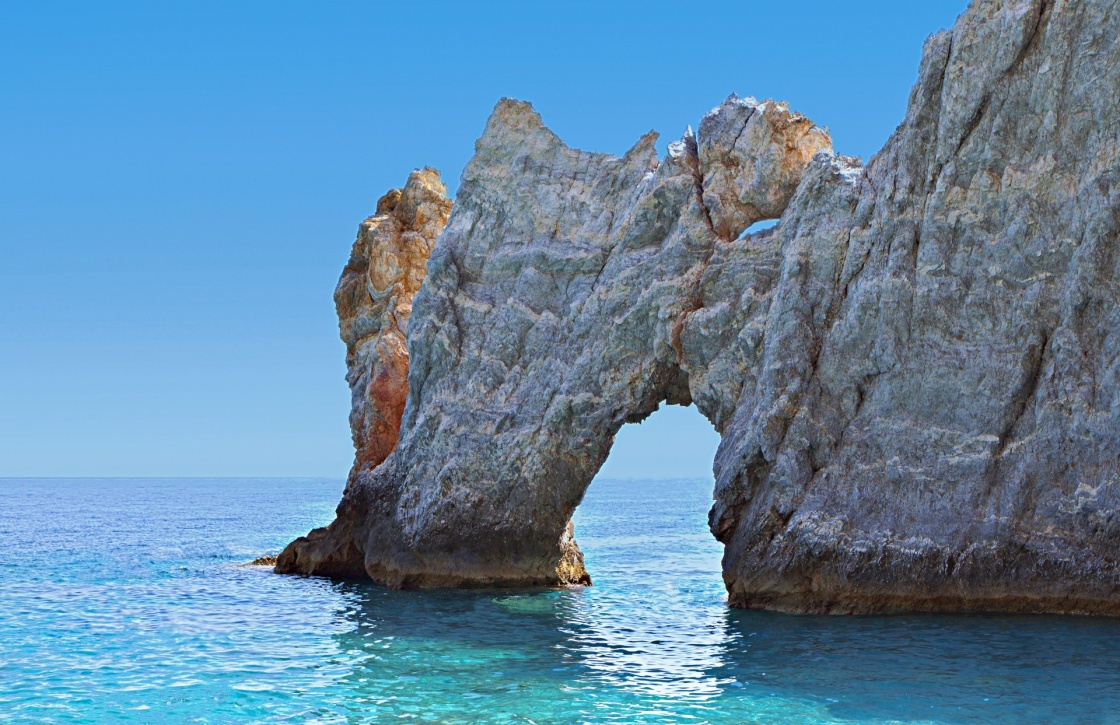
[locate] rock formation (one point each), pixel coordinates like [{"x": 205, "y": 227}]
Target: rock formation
[
  {"x": 915, "y": 374},
  {"x": 374, "y": 302}
]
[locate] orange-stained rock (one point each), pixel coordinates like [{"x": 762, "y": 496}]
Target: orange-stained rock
[
  {"x": 752, "y": 155},
  {"x": 374, "y": 302}
]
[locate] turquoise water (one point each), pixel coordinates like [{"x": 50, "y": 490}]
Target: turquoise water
[{"x": 123, "y": 601}]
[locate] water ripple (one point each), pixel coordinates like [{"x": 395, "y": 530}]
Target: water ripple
[{"x": 123, "y": 601}]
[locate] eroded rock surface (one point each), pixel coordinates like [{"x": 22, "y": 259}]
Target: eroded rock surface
[
  {"x": 915, "y": 374},
  {"x": 551, "y": 315},
  {"x": 374, "y": 303},
  {"x": 751, "y": 157}
]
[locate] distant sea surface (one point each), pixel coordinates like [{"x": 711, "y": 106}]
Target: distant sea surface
[{"x": 123, "y": 600}]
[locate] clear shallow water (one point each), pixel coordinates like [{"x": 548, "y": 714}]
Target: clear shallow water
[{"x": 122, "y": 601}]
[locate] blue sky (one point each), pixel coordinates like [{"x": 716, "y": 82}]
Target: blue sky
[{"x": 180, "y": 183}]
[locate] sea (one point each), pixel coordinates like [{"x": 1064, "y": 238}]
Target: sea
[{"x": 128, "y": 600}]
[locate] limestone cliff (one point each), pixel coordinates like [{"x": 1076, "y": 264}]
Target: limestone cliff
[{"x": 915, "y": 374}]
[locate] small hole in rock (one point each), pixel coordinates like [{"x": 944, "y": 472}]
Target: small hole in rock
[{"x": 758, "y": 227}]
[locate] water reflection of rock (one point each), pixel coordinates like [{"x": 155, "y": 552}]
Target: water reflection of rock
[
  {"x": 933, "y": 668},
  {"x": 567, "y": 654},
  {"x": 578, "y": 647}
]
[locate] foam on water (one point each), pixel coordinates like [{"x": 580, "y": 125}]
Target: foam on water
[{"x": 123, "y": 601}]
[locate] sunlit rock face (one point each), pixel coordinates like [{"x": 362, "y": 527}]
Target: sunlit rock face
[
  {"x": 915, "y": 373},
  {"x": 374, "y": 303},
  {"x": 752, "y": 156}
]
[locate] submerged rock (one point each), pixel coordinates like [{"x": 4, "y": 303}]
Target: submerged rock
[{"x": 915, "y": 374}]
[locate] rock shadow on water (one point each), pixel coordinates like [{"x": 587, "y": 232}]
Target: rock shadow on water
[{"x": 932, "y": 668}]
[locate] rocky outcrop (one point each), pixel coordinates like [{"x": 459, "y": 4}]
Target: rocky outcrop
[
  {"x": 751, "y": 157},
  {"x": 915, "y": 374},
  {"x": 374, "y": 303},
  {"x": 551, "y": 315}
]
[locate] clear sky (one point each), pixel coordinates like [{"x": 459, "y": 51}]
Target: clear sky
[{"x": 180, "y": 183}]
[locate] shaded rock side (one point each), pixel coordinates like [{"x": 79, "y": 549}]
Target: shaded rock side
[
  {"x": 915, "y": 374},
  {"x": 924, "y": 356}
]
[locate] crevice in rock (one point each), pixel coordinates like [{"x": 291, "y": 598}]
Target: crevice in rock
[
  {"x": 696, "y": 299},
  {"x": 743, "y": 130},
  {"x": 693, "y": 153},
  {"x": 1033, "y": 35},
  {"x": 1025, "y": 395},
  {"x": 972, "y": 125}
]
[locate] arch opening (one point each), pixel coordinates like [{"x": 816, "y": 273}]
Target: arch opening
[{"x": 646, "y": 510}]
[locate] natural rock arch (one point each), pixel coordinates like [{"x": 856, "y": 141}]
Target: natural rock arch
[
  {"x": 675, "y": 443},
  {"x": 914, "y": 374},
  {"x": 552, "y": 313}
]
